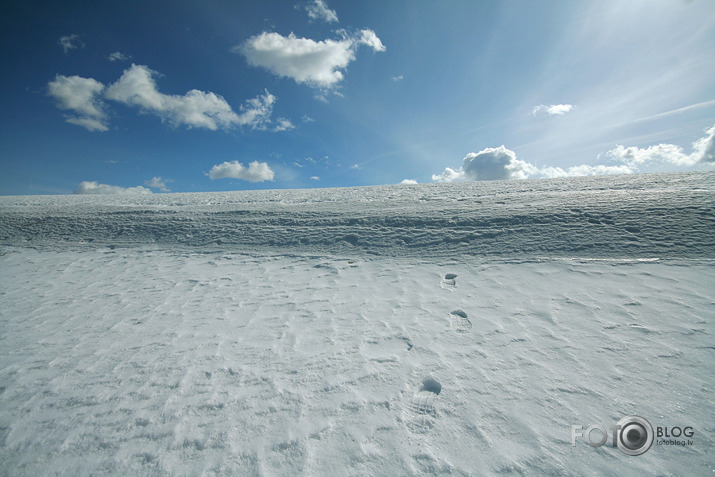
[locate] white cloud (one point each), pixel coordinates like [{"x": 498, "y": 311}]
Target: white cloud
[
  {"x": 448, "y": 175},
  {"x": 70, "y": 42},
  {"x": 117, "y": 56},
  {"x": 256, "y": 112},
  {"x": 137, "y": 87},
  {"x": 493, "y": 163},
  {"x": 83, "y": 96},
  {"x": 409, "y": 182},
  {"x": 704, "y": 148},
  {"x": 255, "y": 172},
  {"x": 315, "y": 63},
  {"x": 283, "y": 125},
  {"x": 501, "y": 163},
  {"x": 369, "y": 38},
  {"x": 670, "y": 154},
  {"x": 397, "y": 78},
  {"x": 307, "y": 119},
  {"x": 158, "y": 183},
  {"x": 553, "y": 110},
  {"x": 92, "y": 187},
  {"x": 583, "y": 170},
  {"x": 314, "y": 178},
  {"x": 318, "y": 10},
  {"x": 90, "y": 124}
]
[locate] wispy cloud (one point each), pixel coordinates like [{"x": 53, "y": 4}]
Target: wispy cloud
[
  {"x": 92, "y": 187},
  {"x": 318, "y": 10},
  {"x": 553, "y": 110},
  {"x": 70, "y": 42},
  {"x": 315, "y": 63},
  {"x": 283, "y": 124},
  {"x": 117, "y": 56},
  {"x": 158, "y": 183},
  {"x": 255, "y": 172}
]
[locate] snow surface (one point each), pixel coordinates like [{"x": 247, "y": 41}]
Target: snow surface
[
  {"x": 657, "y": 215},
  {"x": 456, "y": 329}
]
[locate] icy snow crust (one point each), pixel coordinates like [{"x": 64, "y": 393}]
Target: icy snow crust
[
  {"x": 664, "y": 216},
  {"x": 133, "y": 342}
]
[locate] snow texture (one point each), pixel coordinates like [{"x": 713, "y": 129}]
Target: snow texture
[
  {"x": 658, "y": 215},
  {"x": 244, "y": 334}
]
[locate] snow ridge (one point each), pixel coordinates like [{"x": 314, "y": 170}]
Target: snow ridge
[{"x": 653, "y": 215}]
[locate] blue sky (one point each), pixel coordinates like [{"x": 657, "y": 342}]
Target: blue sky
[{"x": 157, "y": 96}]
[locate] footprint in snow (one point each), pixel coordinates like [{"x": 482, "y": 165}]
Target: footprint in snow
[
  {"x": 460, "y": 321},
  {"x": 419, "y": 413},
  {"x": 449, "y": 281}
]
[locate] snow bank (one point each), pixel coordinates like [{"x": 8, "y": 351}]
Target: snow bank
[{"x": 656, "y": 215}]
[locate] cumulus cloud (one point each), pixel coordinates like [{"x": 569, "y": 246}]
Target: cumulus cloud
[
  {"x": 409, "y": 182},
  {"x": 315, "y": 63},
  {"x": 448, "y": 175},
  {"x": 92, "y": 187},
  {"x": 318, "y": 10},
  {"x": 493, "y": 163},
  {"x": 82, "y": 96},
  {"x": 500, "y": 163},
  {"x": 635, "y": 157},
  {"x": 158, "y": 183},
  {"x": 255, "y": 172},
  {"x": 704, "y": 148},
  {"x": 70, "y": 42},
  {"x": 553, "y": 110},
  {"x": 137, "y": 87},
  {"x": 117, "y": 56}
]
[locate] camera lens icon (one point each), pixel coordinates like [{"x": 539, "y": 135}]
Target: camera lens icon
[{"x": 635, "y": 435}]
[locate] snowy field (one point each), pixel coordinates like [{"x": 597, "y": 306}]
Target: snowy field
[{"x": 458, "y": 329}]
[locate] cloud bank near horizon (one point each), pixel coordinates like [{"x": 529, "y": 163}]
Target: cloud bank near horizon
[
  {"x": 500, "y": 163},
  {"x": 93, "y": 187}
]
